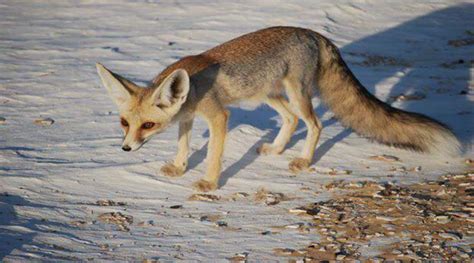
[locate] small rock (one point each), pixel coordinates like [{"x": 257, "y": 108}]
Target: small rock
[
  {"x": 78, "y": 223},
  {"x": 385, "y": 157},
  {"x": 443, "y": 219},
  {"x": 117, "y": 218},
  {"x": 396, "y": 252},
  {"x": 109, "y": 203},
  {"x": 3, "y": 120},
  {"x": 44, "y": 121},
  {"x": 294, "y": 226},
  {"x": 240, "y": 257},
  {"x": 204, "y": 197},
  {"x": 176, "y": 207},
  {"x": 298, "y": 210},
  {"x": 238, "y": 196},
  {"x": 385, "y": 218},
  {"x": 270, "y": 198},
  {"x": 221, "y": 224},
  {"x": 449, "y": 236},
  {"x": 405, "y": 97}
]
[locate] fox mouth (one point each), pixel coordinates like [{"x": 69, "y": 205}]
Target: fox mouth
[{"x": 134, "y": 146}]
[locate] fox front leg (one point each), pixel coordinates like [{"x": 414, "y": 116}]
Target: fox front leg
[
  {"x": 178, "y": 166},
  {"x": 218, "y": 130}
]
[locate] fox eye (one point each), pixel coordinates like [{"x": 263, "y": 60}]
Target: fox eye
[
  {"x": 148, "y": 125},
  {"x": 123, "y": 122}
]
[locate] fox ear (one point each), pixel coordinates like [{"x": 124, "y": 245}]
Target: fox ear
[
  {"x": 116, "y": 85},
  {"x": 173, "y": 90}
]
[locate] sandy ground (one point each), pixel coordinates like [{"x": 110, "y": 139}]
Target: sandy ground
[{"x": 56, "y": 179}]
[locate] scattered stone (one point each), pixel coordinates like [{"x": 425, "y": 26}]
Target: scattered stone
[
  {"x": 430, "y": 218},
  {"x": 407, "y": 97},
  {"x": 238, "y": 258},
  {"x": 415, "y": 169},
  {"x": 454, "y": 64},
  {"x": 79, "y": 223},
  {"x": 298, "y": 210},
  {"x": 104, "y": 247},
  {"x": 294, "y": 226},
  {"x": 204, "y": 197},
  {"x": 44, "y": 121},
  {"x": 385, "y": 157},
  {"x": 109, "y": 203},
  {"x": 286, "y": 252},
  {"x": 3, "y": 120},
  {"x": 469, "y": 162},
  {"x": 221, "y": 223},
  {"x": 269, "y": 198},
  {"x": 238, "y": 196},
  {"x": 449, "y": 236},
  {"x": 443, "y": 219},
  {"x": 210, "y": 218},
  {"x": 461, "y": 42},
  {"x": 117, "y": 218},
  {"x": 146, "y": 223},
  {"x": 398, "y": 169}
]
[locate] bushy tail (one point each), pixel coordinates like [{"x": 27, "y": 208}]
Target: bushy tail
[{"x": 355, "y": 107}]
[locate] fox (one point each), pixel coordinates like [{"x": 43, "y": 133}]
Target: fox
[{"x": 282, "y": 67}]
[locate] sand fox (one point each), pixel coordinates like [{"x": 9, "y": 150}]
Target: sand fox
[{"x": 279, "y": 66}]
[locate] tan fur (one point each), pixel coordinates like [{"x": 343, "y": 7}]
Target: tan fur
[
  {"x": 264, "y": 66},
  {"x": 357, "y": 108}
]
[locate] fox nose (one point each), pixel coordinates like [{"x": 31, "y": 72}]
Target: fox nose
[{"x": 126, "y": 148}]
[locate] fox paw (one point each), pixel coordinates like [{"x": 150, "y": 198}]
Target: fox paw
[
  {"x": 268, "y": 148},
  {"x": 299, "y": 164},
  {"x": 204, "y": 186},
  {"x": 171, "y": 170}
]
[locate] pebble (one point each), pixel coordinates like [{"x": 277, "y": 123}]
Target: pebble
[
  {"x": 44, "y": 121},
  {"x": 221, "y": 224},
  {"x": 298, "y": 210},
  {"x": 3, "y": 120},
  {"x": 443, "y": 219},
  {"x": 385, "y": 218},
  {"x": 449, "y": 236},
  {"x": 204, "y": 197},
  {"x": 465, "y": 248},
  {"x": 385, "y": 157}
]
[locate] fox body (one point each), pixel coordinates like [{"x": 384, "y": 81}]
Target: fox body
[{"x": 279, "y": 66}]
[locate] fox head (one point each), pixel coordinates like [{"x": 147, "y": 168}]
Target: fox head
[{"x": 145, "y": 111}]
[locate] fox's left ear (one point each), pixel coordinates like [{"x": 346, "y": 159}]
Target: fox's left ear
[{"x": 173, "y": 90}]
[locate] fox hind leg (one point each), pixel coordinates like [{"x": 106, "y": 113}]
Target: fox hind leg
[
  {"x": 300, "y": 99},
  {"x": 290, "y": 121}
]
